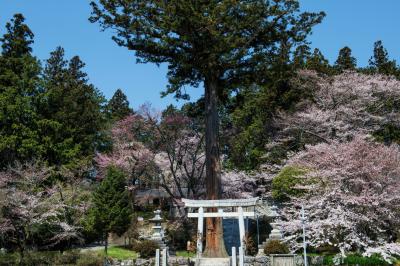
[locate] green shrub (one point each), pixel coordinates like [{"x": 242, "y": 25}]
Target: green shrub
[
  {"x": 283, "y": 185},
  {"x": 275, "y": 247},
  {"x": 40, "y": 258},
  {"x": 178, "y": 233},
  {"x": 68, "y": 257},
  {"x": 146, "y": 248},
  {"x": 328, "y": 260},
  {"x": 52, "y": 258},
  {"x": 9, "y": 259},
  {"x": 356, "y": 259},
  {"x": 90, "y": 259}
]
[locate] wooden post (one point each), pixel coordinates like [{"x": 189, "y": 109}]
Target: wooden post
[
  {"x": 200, "y": 224},
  {"x": 233, "y": 256},
  {"x": 157, "y": 257}
]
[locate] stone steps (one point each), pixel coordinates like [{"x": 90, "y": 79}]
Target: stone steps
[{"x": 213, "y": 262}]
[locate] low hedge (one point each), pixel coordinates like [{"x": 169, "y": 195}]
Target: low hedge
[
  {"x": 53, "y": 258},
  {"x": 357, "y": 259}
]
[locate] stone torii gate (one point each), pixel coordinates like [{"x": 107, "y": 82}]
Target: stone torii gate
[{"x": 240, "y": 214}]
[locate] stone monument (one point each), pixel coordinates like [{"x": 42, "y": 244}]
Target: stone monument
[{"x": 158, "y": 231}]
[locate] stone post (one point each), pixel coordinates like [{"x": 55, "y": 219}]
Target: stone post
[
  {"x": 241, "y": 227},
  {"x": 164, "y": 257},
  {"x": 157, "y": 257},
  {"x": 200, "y": 224},
  {"x": 233, "y": 256},
  {"x": 241, "y": 256}
]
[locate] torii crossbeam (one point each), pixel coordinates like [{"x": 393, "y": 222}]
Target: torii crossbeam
[{"x": 219, "y": 204}]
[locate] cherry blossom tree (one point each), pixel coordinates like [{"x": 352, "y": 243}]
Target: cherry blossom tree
[
  {"x": 351, "y": 194},
  {"x": 239, "y": 184},
  {"x": 128, "y": 153},
  {"x": 29, "y": 203},
  {"x": 164, "y": 152},
  {"x": 341, "y": 107}
]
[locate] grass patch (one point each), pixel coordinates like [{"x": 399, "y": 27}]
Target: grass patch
[
  {"x": 119, "y": 253},
  {"x": 185, "y": 254}
]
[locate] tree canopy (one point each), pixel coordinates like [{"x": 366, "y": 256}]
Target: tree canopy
[
  {"x": 19, "y": 70},
  {"x": 222, "y": 44}
]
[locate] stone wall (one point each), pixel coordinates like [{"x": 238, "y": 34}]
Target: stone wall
[
  {"x": 172, "y": 261},
  {"x": 248, "y": 261},
  {"x": 266, "y": 261}
]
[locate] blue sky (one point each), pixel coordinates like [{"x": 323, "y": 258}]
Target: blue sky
[{"x": 355, "y": 23}]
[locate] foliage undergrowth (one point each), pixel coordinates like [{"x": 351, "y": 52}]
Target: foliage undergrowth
[
  {"x": 356, "y": 259},
  {"x": 53, "y": 258},
  {"x": 275, "y": 247},
  {"x": 146, "y": 248}
]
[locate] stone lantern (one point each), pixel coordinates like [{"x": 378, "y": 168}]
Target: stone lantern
[
  {"x": 158, "y": 232},
  {"x": 275, "y": 234}
]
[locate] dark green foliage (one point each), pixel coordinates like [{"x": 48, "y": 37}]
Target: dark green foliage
[
  {"x": 170, "y": 111},
  {"x": 118, "y": 106},
  {"x": 111, "y": 211},
  {"x": 254, "y": 119},
  {"x": 380, "y": 62},
  {"x": 355, "y": 259},
  {"x": 275, "y": 247},
  {"x": 318, "y": 63},
  {"x": 388, "y": 133},
  {"x": 301, "y": 55},
  {"x": 56, "y": 117},
  {"x": 18, "y": 39},
  {"x": 345, "y": 60},
  {"x": 283, "y": 185},
  {"x": 146, "y": 248},
  {"x": 19, "y": 77},
  {"x": 227, "y": 40},
  {"x": 71, "y": 111}
]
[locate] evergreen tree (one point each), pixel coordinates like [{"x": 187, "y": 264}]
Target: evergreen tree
[
  {"x": 19, "y": 77},
  {"x": 222, "y": 44},
  {"x": 380, "y": 62},
  {"x": 118, "y": 106},
  {"x": 301, "y": 55},
  {"x": 345, "y": 60},
  {"x": 18, "y": 39},
  {"x": 111, "y": 211},
  {"x": 318, "y": 62},
  {"x": 170, "y": 110},
  {"x": 71, "y": 110}
]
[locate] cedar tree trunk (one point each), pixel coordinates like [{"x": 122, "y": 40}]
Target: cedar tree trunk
[{"x": 215, "y": 246}]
